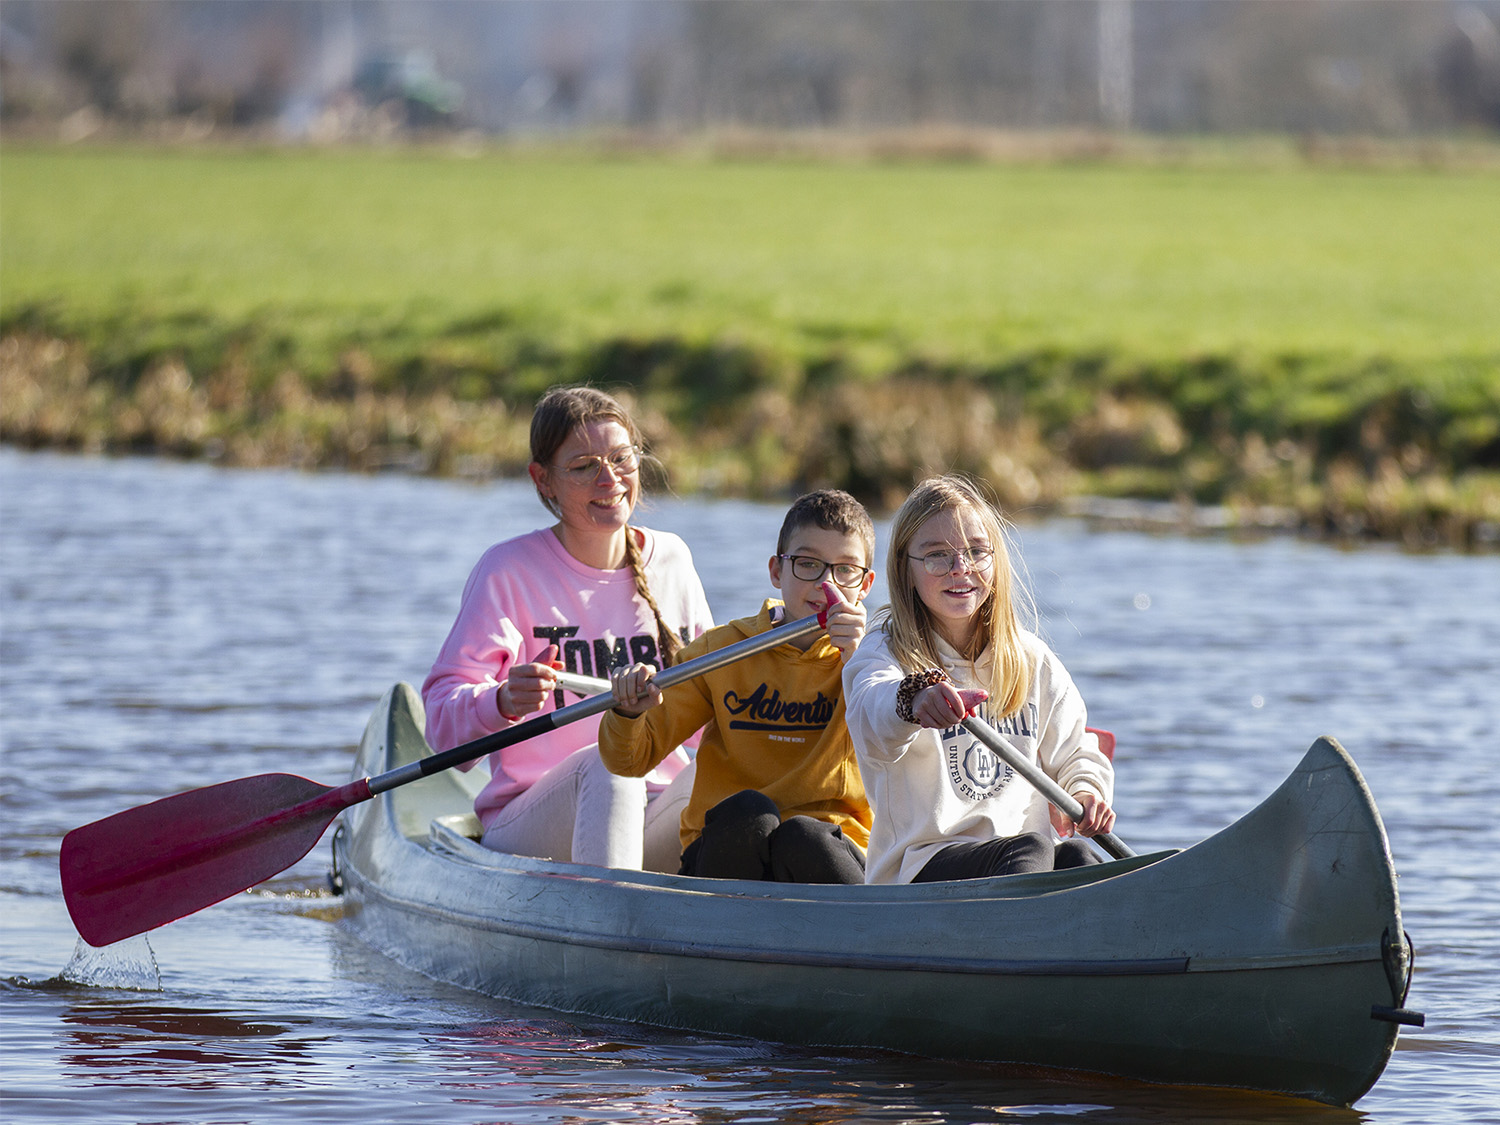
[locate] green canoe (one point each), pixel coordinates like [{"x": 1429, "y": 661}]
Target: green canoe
[{"x": 1270, "y": 956}]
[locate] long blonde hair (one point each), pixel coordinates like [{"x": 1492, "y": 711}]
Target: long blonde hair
[
  {"x": 557, "y": 414},
  {"x": 908, "y": 624}
]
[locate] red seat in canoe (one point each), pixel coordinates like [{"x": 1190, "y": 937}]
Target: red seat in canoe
[{"x": 1106, "y": 741}]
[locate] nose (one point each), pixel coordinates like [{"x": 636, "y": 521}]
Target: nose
[{"x": 611, "y": 473}]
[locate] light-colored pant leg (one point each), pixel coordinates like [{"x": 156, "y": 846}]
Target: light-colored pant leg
[
  {"x": 576, "y": 811},
  {"x": 664, "y": 822}
]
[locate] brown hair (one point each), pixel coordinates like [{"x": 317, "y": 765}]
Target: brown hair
[
  {"x": 557, "y": 414},
  {"x": 908, "y": 623},
  {"x": 832, "y": 510}
]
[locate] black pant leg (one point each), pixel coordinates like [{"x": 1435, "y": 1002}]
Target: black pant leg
[
  {"x": 735, "y": 843},
  {"x": 1006, "y": 855},
  {"x": 1074, "y": 852},
  {"x": 808, "y": 850}
]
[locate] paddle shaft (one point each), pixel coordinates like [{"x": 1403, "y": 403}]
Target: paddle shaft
[
  {"x": 594, "y": 705},
  {"x": 583, "y": 685},
  {"x": 1044, "y": 784}
]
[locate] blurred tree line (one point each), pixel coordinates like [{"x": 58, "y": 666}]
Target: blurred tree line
[{"x": 341, "y": 69}]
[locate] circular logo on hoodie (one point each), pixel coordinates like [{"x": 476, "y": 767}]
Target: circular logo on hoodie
[{"x": 975, "y": 770}]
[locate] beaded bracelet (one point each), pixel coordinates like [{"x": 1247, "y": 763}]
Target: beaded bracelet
[{"x": 912, "y": 684}]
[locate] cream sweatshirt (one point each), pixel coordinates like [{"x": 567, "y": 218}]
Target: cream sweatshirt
[{"x": 933, "y": 788}]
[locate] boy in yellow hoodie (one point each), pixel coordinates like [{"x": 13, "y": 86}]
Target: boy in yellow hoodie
[{"x": 777, "y": 794}]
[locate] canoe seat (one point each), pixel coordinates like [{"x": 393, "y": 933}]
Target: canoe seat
[
  {"x": 1106, "y": 741},
  {"x": 464, "y": 824}
]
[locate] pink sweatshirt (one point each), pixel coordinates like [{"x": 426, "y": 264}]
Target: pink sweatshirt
[{"x": 525, "y": 594}]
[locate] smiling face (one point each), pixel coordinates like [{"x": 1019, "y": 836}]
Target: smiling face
[
  {"x": 954, "y": 599},
  {"x": 593, "y": 500},
  {"x": 806, "y": 598}
]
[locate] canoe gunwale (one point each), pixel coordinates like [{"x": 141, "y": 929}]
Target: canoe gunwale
[
  {"x": 1159, "y": 966},
  {"x": 457, "y": 848},
  {"x": 451, "y": 846}
]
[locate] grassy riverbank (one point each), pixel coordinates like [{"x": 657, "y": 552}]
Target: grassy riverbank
[{"x": 1322, "y": 340}]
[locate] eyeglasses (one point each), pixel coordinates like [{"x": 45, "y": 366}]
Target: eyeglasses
[
  {"x": 805, "y": 568},
  {"x": 621, "y": 462},
  {"x": 977, "y": 559}
]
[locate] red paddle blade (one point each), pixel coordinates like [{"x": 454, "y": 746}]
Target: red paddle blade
[{"x": 148, "y": 866}]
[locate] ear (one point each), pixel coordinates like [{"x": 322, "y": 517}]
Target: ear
[
  {"x": 864, "y": 587},
  {"x": 538, "y": 473},
  {"x": 776, "y": 572}
]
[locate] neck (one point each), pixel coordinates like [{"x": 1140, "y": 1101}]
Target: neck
[
  {"x": 802, "y": 644},
  {"x": 959, "y": 636},
  {"x": 602, "y": 551}
]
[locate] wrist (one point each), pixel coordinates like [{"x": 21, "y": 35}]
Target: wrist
[
  {"x": 906, "y": 694},
  {"x": 501, "y": 707}
]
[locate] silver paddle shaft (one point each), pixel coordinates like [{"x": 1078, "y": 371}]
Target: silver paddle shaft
[
  {"x": 1044, "y": 784},
  {"x": 583, "y": 685},
  {"x": 594, "y": 705}
]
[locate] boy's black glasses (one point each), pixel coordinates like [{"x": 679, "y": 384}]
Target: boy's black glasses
[
  {"x": 977, "y": 559},
  {"x": 805, "y": 568}
]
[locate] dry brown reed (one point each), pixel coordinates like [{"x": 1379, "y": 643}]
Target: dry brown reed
[{"x": 875, "y": 438}]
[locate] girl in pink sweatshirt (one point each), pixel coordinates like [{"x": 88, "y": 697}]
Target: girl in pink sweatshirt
[{"x": 587, "y": 594}]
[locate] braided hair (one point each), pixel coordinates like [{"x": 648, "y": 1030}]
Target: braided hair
[
  {"x": 557, "y": 414},
  {"x": 667, "y": 642}
]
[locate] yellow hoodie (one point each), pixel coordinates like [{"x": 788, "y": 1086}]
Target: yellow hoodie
[{"x": 773, "y": 722}]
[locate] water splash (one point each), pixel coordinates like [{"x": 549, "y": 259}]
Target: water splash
[{"x": 129, "y": 964}]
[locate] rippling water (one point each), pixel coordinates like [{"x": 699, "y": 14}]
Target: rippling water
[{"x": 165, "y": 626}]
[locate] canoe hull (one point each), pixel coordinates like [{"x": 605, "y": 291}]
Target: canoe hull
[{"x": 1193, "y": 967}]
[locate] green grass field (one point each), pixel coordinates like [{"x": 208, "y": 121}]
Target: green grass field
[
  {"x": 966, "y": 262},
  {"x": 1301, "y": 296}
]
